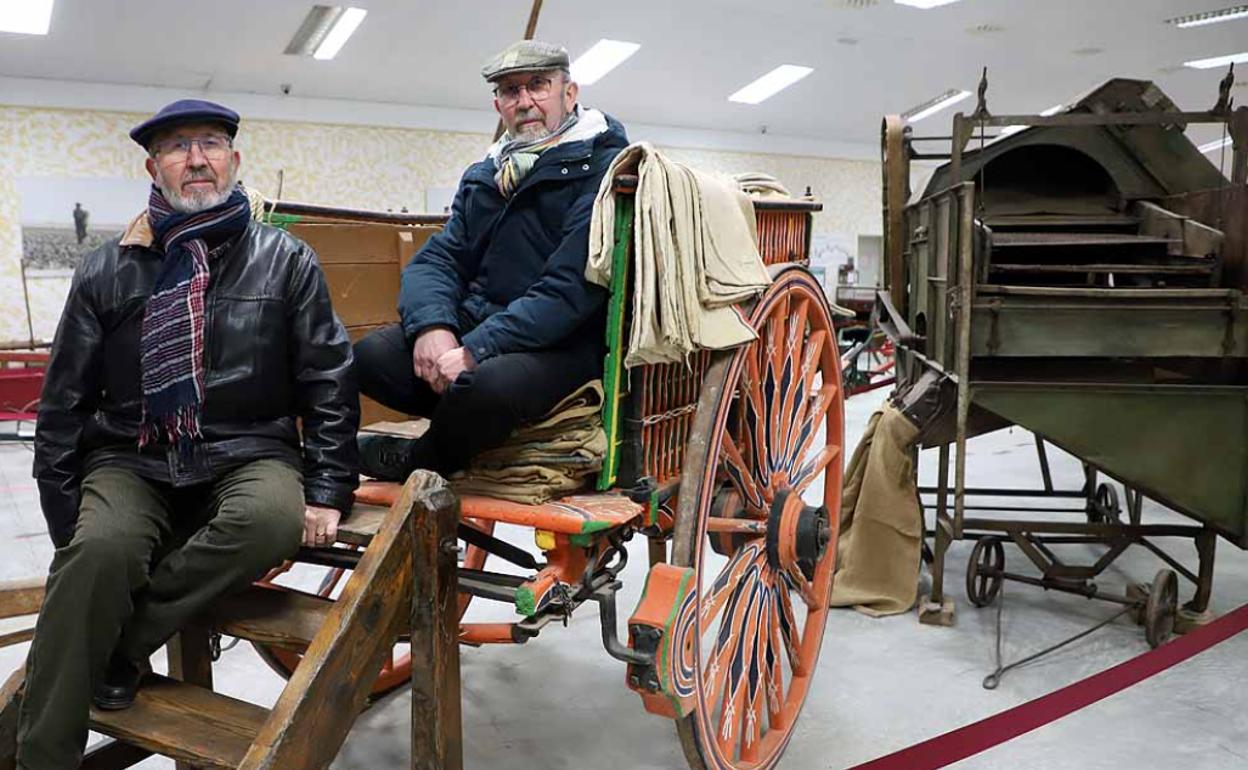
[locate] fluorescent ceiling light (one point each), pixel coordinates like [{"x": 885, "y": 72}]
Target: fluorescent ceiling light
[
  {"x": 605, "y": 56},
  {"x": 1212, "y": 146},
  {"x": 770, "y": 84},
  {"x": 924, "y": 4},
  {"x": 26, "y": 17},
  {"x": 343, "y": 28},
  {"x": 1210, "y": 17},
  {"x": 1217, "y": 61},
  {"x": 933, "y": 106}
]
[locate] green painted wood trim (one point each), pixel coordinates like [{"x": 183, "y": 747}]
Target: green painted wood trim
[
  {"x": 664, "y": 663},
  {"x": 613, "y": 368},
  {"x": 282, "y": 220},
  {"x": 588, "y": 527},
  {"x": 526, "y": 602}
]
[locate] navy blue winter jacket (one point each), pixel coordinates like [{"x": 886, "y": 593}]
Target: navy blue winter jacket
[{"x": 509, "y": 275}]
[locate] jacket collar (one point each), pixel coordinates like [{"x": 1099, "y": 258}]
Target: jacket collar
[
  {"x": 138, "y": 232},
  {"x": 483, "y": 171}
]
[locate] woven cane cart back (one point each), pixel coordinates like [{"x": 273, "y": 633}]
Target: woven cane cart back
[{"x": 649, "y": 410}]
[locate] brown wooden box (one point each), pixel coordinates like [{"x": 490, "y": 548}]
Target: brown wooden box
[{"x": 362, "y": 264}]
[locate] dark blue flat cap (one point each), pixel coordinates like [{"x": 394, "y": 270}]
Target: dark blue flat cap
[{"x": 185, "y": 111}]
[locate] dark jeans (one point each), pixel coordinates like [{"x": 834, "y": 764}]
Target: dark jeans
[
  {"x": 482, "y": 407},
  {"x": 145, "y": 559}
]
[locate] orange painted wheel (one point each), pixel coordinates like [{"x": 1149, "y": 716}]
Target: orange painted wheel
[
  {"x": 773, "y": 416},
  {"x": 398, "y": 670}
]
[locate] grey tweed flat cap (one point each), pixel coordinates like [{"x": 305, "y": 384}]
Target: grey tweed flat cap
[{"x": 525, "y": 56}]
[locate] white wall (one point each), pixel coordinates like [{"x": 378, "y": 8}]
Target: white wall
[{"x": 73, "y": 138}]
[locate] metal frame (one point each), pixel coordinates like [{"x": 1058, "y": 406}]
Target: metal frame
[{"x": 964, "y": 324}]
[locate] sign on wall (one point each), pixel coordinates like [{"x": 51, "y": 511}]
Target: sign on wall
[{"x": 64, "y": 218}]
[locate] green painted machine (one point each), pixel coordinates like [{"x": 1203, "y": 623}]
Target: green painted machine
[{"x": 1082, "y": 275}]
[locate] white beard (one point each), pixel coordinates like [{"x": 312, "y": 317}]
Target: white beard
[{"x": 196, "y": 202}]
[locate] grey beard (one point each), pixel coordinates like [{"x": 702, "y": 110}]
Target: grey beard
[
  {"x": 540, "y": 131},
  {"x": 197, "y": 202}
]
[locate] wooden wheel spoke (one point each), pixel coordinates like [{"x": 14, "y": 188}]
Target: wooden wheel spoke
[
  {"x": 779, "y": 376},
  {"x": 775, "y": 678},
  {"x": 726, "y": 650},
  {"x": 742, "y": 623},
  {"x": 741, "y": 475},
  {"x": 795, "y": 340},
  {"x": 808, "y": 473},
  {"x": 811, "y": 358},
  {"x": 789, "y": 630},
  {"x": 803, "y": 589},
  {"x": 759, "y": 676},
  {"x": 753, "y": 417},
  {"x": 742, "y": 526},
  {"x": 823, "y": 401},
  {"x": 714, "y": 601}
]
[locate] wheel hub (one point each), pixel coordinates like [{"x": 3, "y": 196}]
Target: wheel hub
[{"x": 797, "y": 534}]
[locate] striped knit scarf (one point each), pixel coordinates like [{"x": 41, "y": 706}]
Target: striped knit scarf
[
  {"x": 171, "y": 345},
  {"x": 518, "y": 156}
]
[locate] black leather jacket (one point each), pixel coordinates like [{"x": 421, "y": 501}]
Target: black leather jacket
[{"x": 274, "y": 354}]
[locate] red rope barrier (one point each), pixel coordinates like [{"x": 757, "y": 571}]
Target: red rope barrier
[{"x": 982, "y": 735}]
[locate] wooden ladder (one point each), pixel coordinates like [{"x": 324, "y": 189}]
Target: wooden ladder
[{"x": 343, "y": 644}]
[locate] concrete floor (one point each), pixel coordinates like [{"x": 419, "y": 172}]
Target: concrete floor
[{"x": 881, "y": 685}]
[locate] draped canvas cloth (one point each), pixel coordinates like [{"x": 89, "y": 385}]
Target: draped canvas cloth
[
  {"x": 877, "y": 567},
  {"x": 550, "y": 458},
  {"x": 695, "y": 257}
]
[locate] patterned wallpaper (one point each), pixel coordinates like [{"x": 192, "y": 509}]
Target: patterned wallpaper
[{"x": 362, "y": 167}]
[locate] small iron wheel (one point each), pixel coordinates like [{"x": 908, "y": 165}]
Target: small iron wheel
[
  {"x": 1104, "y": 507},
  {"x": 1161, "y": 608},
  {"x": 984, "y": 571}
]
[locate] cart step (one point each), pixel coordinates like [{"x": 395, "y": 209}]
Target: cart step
[
  {"x": 272, "y": 616},
  {"x": 187, "y": 723}
]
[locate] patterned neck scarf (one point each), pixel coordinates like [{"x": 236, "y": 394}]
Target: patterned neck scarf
[
  {"x": 171, "y": 344},
  {"x": 518, "y": 156}
]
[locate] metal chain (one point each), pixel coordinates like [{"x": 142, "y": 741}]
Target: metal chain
[
  {"x": 214, "y": 645},
  {"x": 992, "y": 680}
]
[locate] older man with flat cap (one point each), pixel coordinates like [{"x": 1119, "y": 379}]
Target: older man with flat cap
[
  {"x": 498, "y": 323},
  {"x": 170, "y": 462}
]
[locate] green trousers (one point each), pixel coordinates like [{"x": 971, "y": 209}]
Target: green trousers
[{"x": 145, "y": 558}]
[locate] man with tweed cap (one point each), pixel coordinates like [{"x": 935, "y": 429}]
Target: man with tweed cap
[{"x": 498, "y": 323}]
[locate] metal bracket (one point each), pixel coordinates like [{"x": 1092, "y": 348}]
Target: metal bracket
[
  {"x": 605, "y": 596},
  {"x": 1223, "y": 105}
]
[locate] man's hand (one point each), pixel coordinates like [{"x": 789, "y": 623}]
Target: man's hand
[
  {"x": 430, "y": 346},
  {"x": 320, "y": 525},
  {"x": 451, "y": 365}
]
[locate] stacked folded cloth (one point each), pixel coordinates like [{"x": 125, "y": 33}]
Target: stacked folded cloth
[
  {"x": 761, "y": 185},
  {"x": 550, "y": 458},
  {"x": 695, "y": 257}
]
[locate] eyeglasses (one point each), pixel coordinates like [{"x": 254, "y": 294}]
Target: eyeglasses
[
  {"x": 177, "y": 150},
  {"x": 538, "y": 88}
]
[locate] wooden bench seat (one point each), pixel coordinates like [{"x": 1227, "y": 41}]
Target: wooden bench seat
[{"x": 574, "y": 515}]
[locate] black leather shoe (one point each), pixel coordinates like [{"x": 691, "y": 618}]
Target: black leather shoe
[
  {"x": 120, "y": 684},
  {"x": 385, "y": 458}
]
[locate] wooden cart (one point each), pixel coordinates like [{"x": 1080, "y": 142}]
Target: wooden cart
[{"x": 736, "y": 459}]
